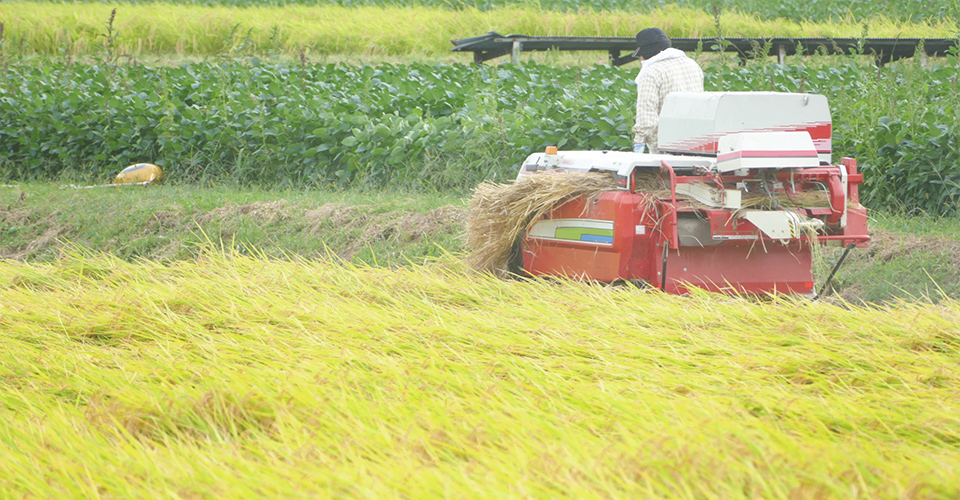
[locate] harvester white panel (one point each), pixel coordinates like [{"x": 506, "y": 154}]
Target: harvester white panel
[
  {"x": 711, "y": 196},
  {"x": 693, "y": 123},
  {"x": 780, "y": 224},
  {"x": 619, "y": 162},
  {"x": 766, "y": 150}
]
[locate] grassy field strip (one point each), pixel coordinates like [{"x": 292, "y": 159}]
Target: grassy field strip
[
  {"x": 232, "y": 375},
  {"x": 192, "y": 30}
]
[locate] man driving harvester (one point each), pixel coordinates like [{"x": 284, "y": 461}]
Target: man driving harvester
[{"x": 664, "y": 69}]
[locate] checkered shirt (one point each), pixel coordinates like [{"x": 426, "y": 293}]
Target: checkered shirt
[{"x": 659, "y": 78}]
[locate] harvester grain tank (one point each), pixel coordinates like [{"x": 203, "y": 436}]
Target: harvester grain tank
[{"x": 742, "y": 190}]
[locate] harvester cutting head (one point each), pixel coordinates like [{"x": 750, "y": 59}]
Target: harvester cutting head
[{"x": 741, "y": 191}]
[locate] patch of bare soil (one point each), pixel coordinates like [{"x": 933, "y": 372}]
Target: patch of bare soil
[
  {"x": 14, "y": 217},
  {"x": 163, "y": 219},
  {"x": 52, "y": 229},
  {"x": 887, "y": 246},
  {"x": 405, "y": 226},
  {"x": 265, "y": 211},
  {"x": 333, "y": 213},
  {"x": 353, "y": 224},
  {"x": 410, "y": 227},
  {"x": 49, "y": 237}
]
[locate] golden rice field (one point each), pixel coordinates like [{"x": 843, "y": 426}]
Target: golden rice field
[
  {"x": 157, "y": 28},
  {"x": 232, "y": 376}
]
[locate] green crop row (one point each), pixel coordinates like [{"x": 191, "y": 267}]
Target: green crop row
[
  {"x": 435, "y": 126},
  {"x": 796, "y": 10}
]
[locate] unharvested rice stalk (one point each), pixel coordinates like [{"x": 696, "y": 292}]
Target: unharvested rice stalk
[
  {"x": 158, "y": 28},
  {"x": 501, "y": 213},
  {"x": 233, "y": 376}
]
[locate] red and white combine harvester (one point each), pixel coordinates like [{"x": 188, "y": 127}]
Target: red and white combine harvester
[{"x": 741, "y": 191}]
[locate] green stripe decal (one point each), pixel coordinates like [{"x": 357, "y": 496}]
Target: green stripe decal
[{"x": 595, "y": 231}]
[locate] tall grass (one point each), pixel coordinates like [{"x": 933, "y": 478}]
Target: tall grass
[
  {"x": 232, "y": 376},
  {"x": 322, "y": 30}
]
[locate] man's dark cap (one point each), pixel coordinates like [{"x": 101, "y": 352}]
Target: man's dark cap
[{"x": 651, "y": 42}]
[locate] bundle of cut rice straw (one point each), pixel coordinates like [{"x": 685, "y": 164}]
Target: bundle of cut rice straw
[{"x": 499, "y": 214}]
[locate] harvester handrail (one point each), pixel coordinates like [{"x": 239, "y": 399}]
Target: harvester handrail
[{"x": 674, "y": 239}]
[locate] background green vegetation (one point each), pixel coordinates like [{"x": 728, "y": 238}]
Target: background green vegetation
[{"x": 264, "y": 122}]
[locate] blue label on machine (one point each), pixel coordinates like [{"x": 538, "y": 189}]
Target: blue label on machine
[{"x": 595, "y": 238}]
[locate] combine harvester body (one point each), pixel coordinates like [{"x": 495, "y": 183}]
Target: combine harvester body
[{"x": 742, "y": 189}]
